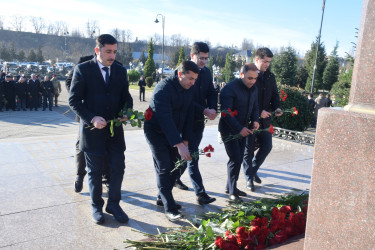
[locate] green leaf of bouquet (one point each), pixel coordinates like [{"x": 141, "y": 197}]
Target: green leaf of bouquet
[
  {"x": 235, "y": 225},
  {"x": 209, "y": 232},
  {"x": 139, "y": 124},
  {"x": 251, "y": 217},
  {"x": 240, "y": 214},
  {"x": 204, "y": 222},
  {"x": 120, "y": 113},
  {"x": 133, "y": 123},
  {"x": 132, "y": 117}
]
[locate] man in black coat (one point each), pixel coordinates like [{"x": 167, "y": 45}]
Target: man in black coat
[
  {"x": 169, "y": 131},
  {"x": 47, "y": 92},
  {"x": 21, "y": 93},
  {"x": 33, "y": 92},
  {"x": 205, "y": 105},
  {"x": 268, "y": 101},
  {"x": 142, "y": 88},
  {"x": 10, "y": 93},
  {"x": 241, "y": 97},
  {"x": 98, "y": 92}
]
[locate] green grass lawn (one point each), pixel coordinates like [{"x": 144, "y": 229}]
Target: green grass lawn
[{"x": 134, "y": 85}]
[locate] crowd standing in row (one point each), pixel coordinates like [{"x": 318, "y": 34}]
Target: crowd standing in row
[
  {"x": 179, "y": 104},
  {"x": 19, "y": 93}
]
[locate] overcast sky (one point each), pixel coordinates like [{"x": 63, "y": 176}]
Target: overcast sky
[{"x": 272, "y": 23}]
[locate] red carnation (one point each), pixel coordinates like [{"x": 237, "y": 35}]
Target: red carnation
[
  {"x": 235, "y": 112},
  {"x": 208, "y": 154},
  {"x": 271, "y": 130},
  {"x": 148, "y": 114},
  {"x": 295, "y": 111},
  {"x": 223, "y": 114},
  {"x": 285, "y": 209}
]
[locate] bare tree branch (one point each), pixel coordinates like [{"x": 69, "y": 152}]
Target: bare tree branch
[
  {"x": 17, "y": 22},
  {"x": 38, "y": 23}
]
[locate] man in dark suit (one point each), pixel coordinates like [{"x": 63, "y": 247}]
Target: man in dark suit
[
  {"x": 80, "y": 156},
  {"x": 99, "y": 91},
  {"x": 268, "y": 101},
  {"x": 242, "y": 96},
  {"x": 142, "y": 88},
  {"x": 169, "y": 130},
  {"x": 205, "y": 105}
]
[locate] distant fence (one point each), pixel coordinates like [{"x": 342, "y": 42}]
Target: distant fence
[{"x": 294, "y": 136}]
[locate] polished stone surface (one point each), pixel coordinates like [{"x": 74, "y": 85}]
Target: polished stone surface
[
  {"x": 40, "y": 210},
  {"x": 342, "y": 197}
]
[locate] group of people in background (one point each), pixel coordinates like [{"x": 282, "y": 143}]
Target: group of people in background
[
  {"x": 20, "y": 93},
  {"x": 320, "y": 102},
  {"x": 179, "y": 105}
]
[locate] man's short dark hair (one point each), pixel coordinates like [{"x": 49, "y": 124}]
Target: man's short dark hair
[
  {"x": 104, "y": 39},
  {"x": 248, "y": 66},
  {"x": 263, "y": 52},
  {"x": 187, "y": 66},
  {"x": 199, "y": 47}
]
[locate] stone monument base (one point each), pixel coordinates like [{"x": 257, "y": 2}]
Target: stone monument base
[{"x": 341, "y": 213}]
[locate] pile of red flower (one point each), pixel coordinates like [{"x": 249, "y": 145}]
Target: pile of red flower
[
  {"x": 263, "y": 231},
  {"x": 229, "y": 112}
]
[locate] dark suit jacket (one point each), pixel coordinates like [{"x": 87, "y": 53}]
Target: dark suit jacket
[
  {"x": 236, "y": 96},
  {"x": 173, "y": 111},
  {"x": 268, "y": 96},
  {"x": 89, "y": 96},
  {"x": 205, "y": 95}
]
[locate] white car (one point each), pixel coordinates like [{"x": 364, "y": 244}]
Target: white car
[{"x": 166, "y": 71}]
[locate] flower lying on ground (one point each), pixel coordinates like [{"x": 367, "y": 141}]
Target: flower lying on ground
[
  {"x": 206, "y": 151},
  {"x": 231, "y": 137},
  {"x": 246, "y": 225}
]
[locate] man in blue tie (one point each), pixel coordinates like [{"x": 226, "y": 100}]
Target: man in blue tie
[{"x": 99, "y": 91}]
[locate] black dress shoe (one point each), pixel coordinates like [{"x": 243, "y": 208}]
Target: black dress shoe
[
  {"x": 181, "y": 185},
  {"x": 78, "y": 184},
  {"x": 239, "y": 192},
  {"x": 97, "y": 216},
  {"x": 235, "y": 198},
  {"x": 250, "y": 185},
  {"x": 203, "y": 199},
  {"x": 159, "y": 202},
  {"x": 257, "y": 179},
  {"x": 118, "y": 213},
  {"x": 173, "y": 215}
]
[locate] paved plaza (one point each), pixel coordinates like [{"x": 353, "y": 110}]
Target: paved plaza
[{"x": 40, "y": 210}]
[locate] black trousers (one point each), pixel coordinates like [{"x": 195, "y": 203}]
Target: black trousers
[
  {"x": 164, "y": 157},
  {"x": 235, "y": 151},
  {"x": 142, "y": 91}
]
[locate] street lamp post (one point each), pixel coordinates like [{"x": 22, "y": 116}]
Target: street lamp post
[
  {"x": 65, "y": 34},
  {"x": 213, "y": 72},
  {"x": 162, "y": 46},
  {"x": 317, "y": 48}
]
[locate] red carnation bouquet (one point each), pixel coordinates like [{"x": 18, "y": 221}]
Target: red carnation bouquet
[
  {"x": 205, "y": 151},
  {"x": 231, "y": 137}
]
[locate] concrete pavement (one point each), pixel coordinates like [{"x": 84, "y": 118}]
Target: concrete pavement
[{"x": 40, "y": 210}]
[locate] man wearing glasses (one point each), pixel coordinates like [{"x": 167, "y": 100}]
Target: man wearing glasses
[
  {"x": 268, "y": 101},
  {"x": 205, "y": 105}
]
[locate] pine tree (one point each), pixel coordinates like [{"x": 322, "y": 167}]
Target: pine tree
[
  {"x": 181, "y": 56},
  {"x": 284, "y": 65},
  {"x": 340, "y": 90},
  {"x": 12, "y": 52},
  {"x": 331, "y": 72},
  {"x": 39, "y": 55},
  {"x": 32, "y": 56},
  {"x": 21, "y": 55},
  {"x": 320, "y": 66},
  {"x": 301, "y": 76},
  {"x": 142, "y": 58},
  {"x": 229, "y": 67},
  {"x": 4, "y": 53},
  {"x": 150, "y": 64}
]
